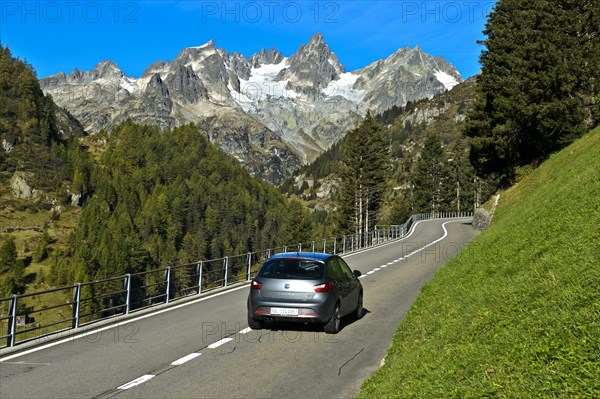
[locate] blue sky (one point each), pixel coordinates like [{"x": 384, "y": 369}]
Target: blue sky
[{"x": 61, "y": 35}]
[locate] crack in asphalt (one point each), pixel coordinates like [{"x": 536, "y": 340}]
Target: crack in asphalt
[
  {"x": 350, "y": 360},
  {"x": 230, "y": 352}
]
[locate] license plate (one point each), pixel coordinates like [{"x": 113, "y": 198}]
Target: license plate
[{"x": 284, "y": 311}]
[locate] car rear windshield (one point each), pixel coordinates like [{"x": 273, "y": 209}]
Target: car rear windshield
[{"x": 300, "y": 269}]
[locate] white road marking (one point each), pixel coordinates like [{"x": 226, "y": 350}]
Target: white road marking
[
  {"x": 122, "y": 323},
  {"x": 136, "y": 382},
  {"x": 30, "y": 363},
  {"x": 169, "y": 309},
  {"x": 418, "y": 250},
  {"x": 185, "y": 359},
  {"x": 219, "y": 343},
  {"x": 245, "y": 330},
  {"x": 411, "y": 231}
]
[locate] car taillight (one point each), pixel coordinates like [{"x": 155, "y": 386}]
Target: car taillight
[
  {"x": 256, "y": 285},
  {"x": 325, "y": 287}
]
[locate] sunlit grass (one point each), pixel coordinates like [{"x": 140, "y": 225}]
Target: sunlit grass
[{"x": 516, "y": 315}]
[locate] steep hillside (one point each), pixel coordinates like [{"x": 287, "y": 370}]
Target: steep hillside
[
  {"x": 33, "y": 130},
  {"x": 40, "y": 170},
  {"x": 516, "y": 314}
]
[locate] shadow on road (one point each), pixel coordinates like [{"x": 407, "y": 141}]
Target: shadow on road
[{"x": 312, "y": 327}]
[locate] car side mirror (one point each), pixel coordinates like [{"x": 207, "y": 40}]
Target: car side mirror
[{"x": 357, "y": 273}]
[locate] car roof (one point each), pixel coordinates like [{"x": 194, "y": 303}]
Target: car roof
[{"x": 303, "y": 255}]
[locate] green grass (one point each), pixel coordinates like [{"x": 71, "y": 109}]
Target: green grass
[{"x": 517, "y": 314}]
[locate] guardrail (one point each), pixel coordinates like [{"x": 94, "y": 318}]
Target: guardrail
[{"x": 26, "y": 317}]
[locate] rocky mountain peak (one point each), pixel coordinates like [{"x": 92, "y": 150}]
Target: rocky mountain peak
[
  {"x": 184, "y": 85},
  {"x": 266, "y": 57},
  {"x": 311, "y": 68},
  {"x": 106, "y": 69},
  {"x": 75, "y": 74},
  {"x": 155, "y": 67},
  {"x": 157, "y": 87},
  {"x": 195, "y": 55},
  {"x": 271, "y": 112}
]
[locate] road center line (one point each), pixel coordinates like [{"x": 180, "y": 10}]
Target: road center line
[
  {"x": 415, "y": 252},
  {"x": 119, "y": 324},
  {"x": 185, "y": 359},
  {"x": 219, "y": 343},
  {"x": 202, "y": 299},
  {"x": 136, "y": 382}
]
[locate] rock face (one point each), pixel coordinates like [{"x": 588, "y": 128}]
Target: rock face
[
  {"x": 20, "y": 187},
  {"x": 271, "y": 112},
  {"x": 407, "y": 75},
  {"x": 311, "y": 69}
]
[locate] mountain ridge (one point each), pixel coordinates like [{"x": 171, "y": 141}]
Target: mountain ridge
[{"x": 299, "y": 105}]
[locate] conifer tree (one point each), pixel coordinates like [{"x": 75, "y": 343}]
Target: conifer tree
[
  {"x": 430, "y": 177},
  {"x": 365, "y": 166},
  {"x": 460, "y": 185},
  {"x": 538, "y": 82}
]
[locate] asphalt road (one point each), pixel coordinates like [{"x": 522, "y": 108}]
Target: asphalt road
[{"x": 203, "y": 348}]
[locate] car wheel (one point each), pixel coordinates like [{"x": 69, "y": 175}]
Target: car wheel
[
  {"x": 333, "y": 325},
  {"x": 255, "y": 324},
  {"x": 359, "y": 307}
]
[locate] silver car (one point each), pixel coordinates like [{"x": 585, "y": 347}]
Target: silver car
[{"x": 305, "y": 287}]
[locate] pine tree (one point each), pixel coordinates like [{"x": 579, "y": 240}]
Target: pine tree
[
  {"x": 430, "y": 177},
  {"x": 365, "y": 166},
  {"x": 298, "y": 228},
  {"x": 460, "y": 187},
  {"x": 12, "y": 270},
  {"x": 538, "y": 82}
]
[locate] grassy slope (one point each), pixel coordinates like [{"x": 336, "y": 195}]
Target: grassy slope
[{"x": 517, "y": 314}]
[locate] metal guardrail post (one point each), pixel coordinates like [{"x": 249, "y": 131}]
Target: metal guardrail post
[
  {"x": 324, "y": 245},
  {"x": 344, "y": 244},
  {"x": 168, "y": 289},
  {"x": 334, "y": 245},
  {"x": 299, "y": 247},
  {"x": 128, "y": 293},
  {"x": 313, "y": 246},
  {"x": 226, "y": 266},
  {"x": 76, "y": 303},
  {"x": 12, "y": 322},
  {"x": 199, "y": 273},
  {"x": 249, "y": 266},
  {"x": 285, "y": 248}
]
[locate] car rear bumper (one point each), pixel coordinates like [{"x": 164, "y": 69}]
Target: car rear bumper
[{"x": 298, "y": 312}]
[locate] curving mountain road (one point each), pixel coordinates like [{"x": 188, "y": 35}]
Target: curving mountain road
[{"x": 203, "y": 348}]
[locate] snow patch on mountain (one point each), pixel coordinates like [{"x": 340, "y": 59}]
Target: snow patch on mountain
[
  {"x": 261, "y": 86},
  {"x": 344, "y": 87},
  {"x": 447, "y": 80},
  {"x": 128, "y": 85}
]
